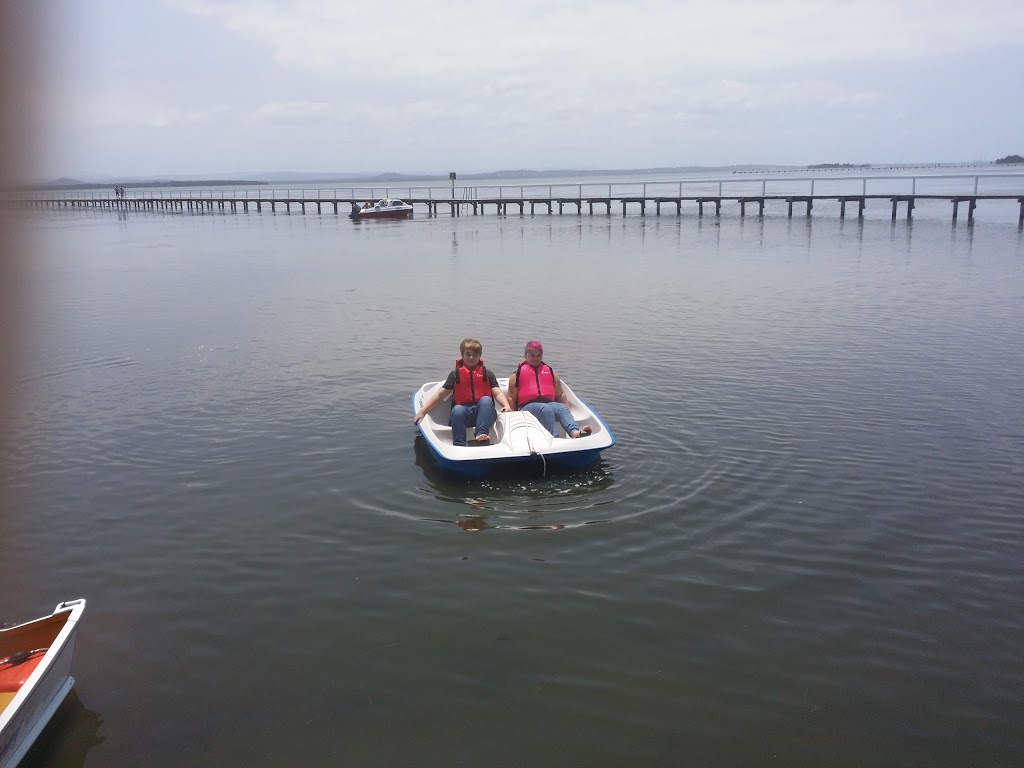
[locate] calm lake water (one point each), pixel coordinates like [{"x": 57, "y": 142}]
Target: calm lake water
[{"x": 806, "y": 547}]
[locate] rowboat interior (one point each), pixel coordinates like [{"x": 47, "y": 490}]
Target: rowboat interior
[
  {"x": 35, "y": 676},
  {"x": 22, "y": 648}
]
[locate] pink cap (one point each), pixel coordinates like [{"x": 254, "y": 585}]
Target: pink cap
[{"x": 534, "y": 345}]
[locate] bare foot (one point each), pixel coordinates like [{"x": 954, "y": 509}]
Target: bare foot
[
  {"x": 483, "y": 439},
  {"x": 582, "y": 432}
]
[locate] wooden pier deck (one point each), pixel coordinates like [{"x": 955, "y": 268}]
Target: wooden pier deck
[{"x": 514, "y": 205}]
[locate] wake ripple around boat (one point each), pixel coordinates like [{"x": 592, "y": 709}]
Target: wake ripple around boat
[
  {"x": 512, "y": 501},
  {"x": 622, "y": 486}
]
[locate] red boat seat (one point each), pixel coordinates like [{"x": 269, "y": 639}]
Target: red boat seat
[{"x": 13, "y": 676}]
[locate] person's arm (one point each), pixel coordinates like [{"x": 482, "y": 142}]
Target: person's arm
[
  {"x": 500, "y": 397},
  {"x": 496, "y": 392},
  {"x": 434, "y": 399},
  {"x": 560, "y": 396},
  {"x": 512, "y": 390}
]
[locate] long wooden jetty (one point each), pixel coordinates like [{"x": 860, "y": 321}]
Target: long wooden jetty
[
  {"x": 898, "y": 192},
  {"x": 505, "y": 205}
]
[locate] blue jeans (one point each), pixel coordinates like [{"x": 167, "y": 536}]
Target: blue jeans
[
  {"x": 482, "y": 415},
  {"x": 548, "y": 413}
]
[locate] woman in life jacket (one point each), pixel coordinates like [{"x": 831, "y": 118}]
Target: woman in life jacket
[
  {"x": 475, "y": 389},
  {"x": 534, "y": 387}
]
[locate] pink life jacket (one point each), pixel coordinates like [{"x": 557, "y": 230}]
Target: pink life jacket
[{"x": 536, "y": 385}]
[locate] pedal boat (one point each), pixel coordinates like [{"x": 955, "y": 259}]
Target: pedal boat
[
  {"x": 384, "y": 209},
  {"x": 517, "y": 438},
  {"x": 35, "y": 676}
]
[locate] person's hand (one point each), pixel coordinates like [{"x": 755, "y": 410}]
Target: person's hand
[{"x": 417, "y": 418}]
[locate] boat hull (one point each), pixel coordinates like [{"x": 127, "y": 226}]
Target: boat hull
[
  {"x": 571, "y": 462},
  {"x": 518, "y": 440},
  {"x": 370, "y": 214},
  {"x": 26, "y": 710}
]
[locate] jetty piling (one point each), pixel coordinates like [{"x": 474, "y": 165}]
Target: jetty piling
[
  {"x": 909, "y": 200},
  {"x": 809, "y": 199},
  {"x": 700, "y": 205}
]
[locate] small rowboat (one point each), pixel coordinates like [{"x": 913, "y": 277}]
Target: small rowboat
[
  {"x": 35, "y": 676},
  {"x": 517, "y": 438},
  {"x": 383, "y": 209}
]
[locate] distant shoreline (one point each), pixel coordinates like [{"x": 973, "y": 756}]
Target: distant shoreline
[
  {"x": 382, "y": 178},
  {"x": 401, "y": 179},
  {"x": 66, "y": 184}
]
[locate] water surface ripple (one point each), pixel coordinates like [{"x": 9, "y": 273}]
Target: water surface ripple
[{"x": 805, "y": 547}]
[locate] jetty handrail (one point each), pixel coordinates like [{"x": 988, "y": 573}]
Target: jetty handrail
[
  {"x": 721, "y": 185},
  {"x": 715, "y": 186}
]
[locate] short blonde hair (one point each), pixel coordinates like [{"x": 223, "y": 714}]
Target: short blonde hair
[{"x": 472, "y": 345}]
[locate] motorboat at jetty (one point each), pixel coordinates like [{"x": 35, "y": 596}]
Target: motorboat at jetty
[
  {"x": 387, "y": 208},
  {"x": 35, "y": 676},
  {"x": 517, "y": 438}
]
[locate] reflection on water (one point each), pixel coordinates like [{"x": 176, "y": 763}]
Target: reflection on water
[
  {"x": 516, "y": 497},
  {"x": 67, "y": 739}
]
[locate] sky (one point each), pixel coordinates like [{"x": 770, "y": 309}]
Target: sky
[{"x": 212, "y": 88}]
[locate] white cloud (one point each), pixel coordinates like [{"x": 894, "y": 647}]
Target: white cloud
[
  {"x": 567, "y": 103},
  {"x": 160, "y": 116},
  {"x": 123, "y": 105},
  {"x": 735, "y": 95},
  {"x": 426, "y": 84},
  {"x": 294, "y": 112},
  {"x": 464, "y": 39},
  {"x": 562, "y": 64}
]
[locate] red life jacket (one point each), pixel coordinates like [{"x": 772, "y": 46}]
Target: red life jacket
[
  {"x": 537, "y": 385},
  {"x": 470, "y": 385}
]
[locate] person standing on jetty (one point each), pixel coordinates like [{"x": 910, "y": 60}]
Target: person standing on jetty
[
  {"x": 475, "y": 389},
  {"x": 535, "y": 388}
]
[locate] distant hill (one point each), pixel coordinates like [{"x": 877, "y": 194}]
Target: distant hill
[
  {"x": 820, "y": 166},
  {"x": 392, "y": 178},
  {"x": 510, "y": 173},
  {"x": 397, "y": 179},
  {"x": 65, "y": 184}
]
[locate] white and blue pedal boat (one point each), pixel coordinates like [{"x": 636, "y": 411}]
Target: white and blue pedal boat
[{"x": 517, "y": 438}]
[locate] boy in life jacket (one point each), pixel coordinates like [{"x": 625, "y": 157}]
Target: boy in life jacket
[
  {"x": 475, "y": 389},
  {"x": 535, "y": 388}
]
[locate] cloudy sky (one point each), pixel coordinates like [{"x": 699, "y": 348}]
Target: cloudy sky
[{"x": 215, "y": 87}]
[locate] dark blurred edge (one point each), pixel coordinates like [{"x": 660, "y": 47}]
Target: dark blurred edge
[{"x": 20, "y": 56}]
